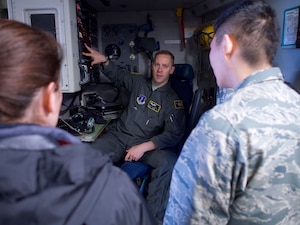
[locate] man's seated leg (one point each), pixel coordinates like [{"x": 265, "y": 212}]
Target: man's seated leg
[
  {"x": 162, "y": 163},
  {"x": 110, "y": 145}
]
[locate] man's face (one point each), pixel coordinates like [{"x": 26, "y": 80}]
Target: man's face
[{"x": 162, "y": 67}]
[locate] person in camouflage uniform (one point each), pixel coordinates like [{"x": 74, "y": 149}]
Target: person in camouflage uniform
[{"x": 241, "y": 164}]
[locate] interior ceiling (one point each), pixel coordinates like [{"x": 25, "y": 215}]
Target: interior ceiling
[{"x": 141, "y": 5}]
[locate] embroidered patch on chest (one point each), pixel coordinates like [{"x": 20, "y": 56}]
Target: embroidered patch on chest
[
  {"x": 178, "y": 104},
  {"x": 154, "y": 106},
  {"x": 141, "y": 99}
]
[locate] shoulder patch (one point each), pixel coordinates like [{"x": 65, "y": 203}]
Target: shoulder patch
[
  {"x": 141, "y": 99},
  {"x": 178, "y": 104}
]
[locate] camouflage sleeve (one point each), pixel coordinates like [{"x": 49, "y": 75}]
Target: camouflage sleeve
[{"x": 201, "y": 189}]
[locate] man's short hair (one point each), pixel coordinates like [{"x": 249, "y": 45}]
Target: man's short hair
[
  {"x": 164, "y": 52},
  {"x": 254, "y": 25}
]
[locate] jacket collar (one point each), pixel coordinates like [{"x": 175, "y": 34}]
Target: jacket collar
[
  {"x": 260, "y": 76},
  {"x": 40, "y": 136}
]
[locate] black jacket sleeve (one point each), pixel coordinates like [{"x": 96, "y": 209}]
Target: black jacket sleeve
[
  {"x": 120, "y": 203},
  {"x": 112, "y": 198}
]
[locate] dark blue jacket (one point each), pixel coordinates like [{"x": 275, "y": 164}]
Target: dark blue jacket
[{"x": 47, "y": 176}]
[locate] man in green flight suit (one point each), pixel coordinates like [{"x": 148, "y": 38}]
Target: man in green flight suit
[{"x": 151, "y": 126}]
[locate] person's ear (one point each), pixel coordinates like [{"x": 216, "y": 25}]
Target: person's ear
[
  {"x": 51, "y": 98},
  {"x": 152, "y": 65},
  {"x": 228, "y": 44},
  {"x": 172, "y": 70}
]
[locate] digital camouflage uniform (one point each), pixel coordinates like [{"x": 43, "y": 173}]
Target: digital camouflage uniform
[
  {"x": 241, "y": 164},
  {"x": 156, "y": 116}
]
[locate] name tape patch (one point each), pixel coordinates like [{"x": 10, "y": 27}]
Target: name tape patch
[{"x": 154, "y": 106}]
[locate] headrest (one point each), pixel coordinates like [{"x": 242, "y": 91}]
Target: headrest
[
  {"x": 145, "y": 44},
  {"x": 183, "y": 72}
]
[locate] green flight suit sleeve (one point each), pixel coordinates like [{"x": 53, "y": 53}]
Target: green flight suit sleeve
[{"x": 118, "y": 76}]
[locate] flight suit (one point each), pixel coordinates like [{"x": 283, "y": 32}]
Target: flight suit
[{"x": 151, "y": 115}]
